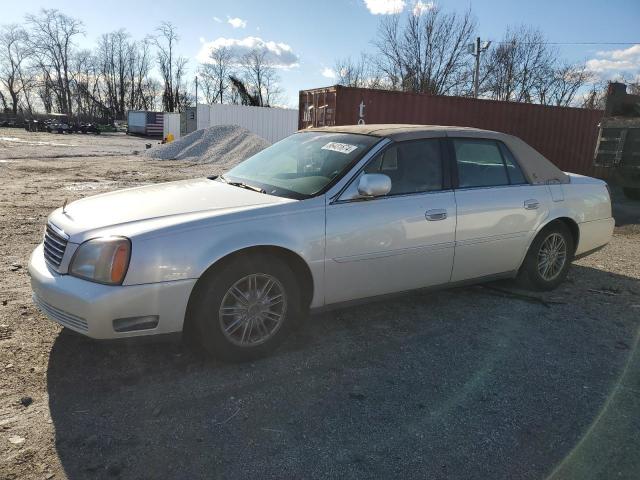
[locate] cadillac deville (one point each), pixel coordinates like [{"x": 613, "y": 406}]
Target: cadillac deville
[{"x": 324, "y": 217}]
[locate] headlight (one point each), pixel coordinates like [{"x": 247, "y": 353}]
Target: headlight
[{"x": 102, "y": 260}]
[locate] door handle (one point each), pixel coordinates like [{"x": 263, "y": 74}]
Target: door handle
[
  {"x": 531, "y": 204},
  {"x": 436, "y": 214}
]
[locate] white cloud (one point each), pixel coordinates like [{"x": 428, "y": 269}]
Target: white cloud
[
  {"x": 201, "y": 39},
  {"x": 216, "y": 19},
  {"x": 280, "y": 54},
  {"x": 328, "y": 73},
  {"x": 237, "y": 22},
  {"x": 615, "y": 63},
  {"x": 421, "y": 7},
  {"x": 385, "y": 7}
]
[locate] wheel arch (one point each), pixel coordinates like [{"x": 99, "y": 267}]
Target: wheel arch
[
  {"x": 299, "y": 266},
  {"x": 569, "y": 222},
  {"x": 573, "y": 227}
]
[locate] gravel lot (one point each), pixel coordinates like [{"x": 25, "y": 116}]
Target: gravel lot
[{"x": 479, "y": 382}]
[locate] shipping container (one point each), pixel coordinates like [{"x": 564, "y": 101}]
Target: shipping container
[
  {"x": 145, "y": 123},
  {"x": 272, "y": 124},
  {"x": 566, "y": 136}
]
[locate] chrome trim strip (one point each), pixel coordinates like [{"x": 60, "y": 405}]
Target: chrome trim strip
[
  {"x": 386, "y": 197},
  {"x": 55, "y": 246},
  {"x": 58, "y": 231},
  {"x": 392, "y": 253},
  {"x": 492, "y": 238}
]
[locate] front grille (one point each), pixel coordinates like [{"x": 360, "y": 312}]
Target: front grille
[
  {"x": 66, "y": 319},
  {"x": 55, "y": 244}
]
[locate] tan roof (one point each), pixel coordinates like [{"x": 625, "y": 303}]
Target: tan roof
[
  {"x": 393, "y": 130},
  {"x": 535, "y": 166}
]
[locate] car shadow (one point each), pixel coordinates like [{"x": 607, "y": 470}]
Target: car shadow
[{"x": 474, "y": 382}]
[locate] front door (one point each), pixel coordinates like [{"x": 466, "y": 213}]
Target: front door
[{"x": 401, "y": 241}]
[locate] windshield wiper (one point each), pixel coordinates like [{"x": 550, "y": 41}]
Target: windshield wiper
[{"x": 242, "y": 185}]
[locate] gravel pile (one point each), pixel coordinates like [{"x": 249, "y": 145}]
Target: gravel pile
[{"x": 224, "y": 145}]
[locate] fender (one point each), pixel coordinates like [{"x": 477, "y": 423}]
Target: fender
[{"x": 188, "y": 252}]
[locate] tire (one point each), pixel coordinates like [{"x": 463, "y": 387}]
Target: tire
[
  {"x": 246, "y": 339},
  {"x": 632, "y": 193},
  {"x": 536, "y": 275}
]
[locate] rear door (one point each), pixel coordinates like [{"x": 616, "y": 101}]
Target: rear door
[{"x": 498, "y": 210}]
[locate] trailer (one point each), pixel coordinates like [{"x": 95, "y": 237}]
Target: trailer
[
  {"x": 566, "y": 136},
  {"x": 618, "y": 147},
  {"x": 145, "y": 123},
  {"x": 272, "y": 124}
]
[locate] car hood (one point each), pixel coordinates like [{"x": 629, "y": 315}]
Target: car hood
[{"x": 159, "y": 201}]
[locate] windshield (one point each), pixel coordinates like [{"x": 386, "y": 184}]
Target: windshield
[{"x": 301, "y": 165}]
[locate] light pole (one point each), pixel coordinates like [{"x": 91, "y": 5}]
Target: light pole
[
  {"x": 196, "y": 91},
  {"x": 476, "y": 50}
]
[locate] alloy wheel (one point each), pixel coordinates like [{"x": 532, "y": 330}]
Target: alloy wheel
[
  {"x": 253, "y": 310},
  {"x": 552, "y": 256}
]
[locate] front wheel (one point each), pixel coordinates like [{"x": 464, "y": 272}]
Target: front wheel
[
  {"x": 245, "y": 310},
  {"x": 548, "y": 259}
]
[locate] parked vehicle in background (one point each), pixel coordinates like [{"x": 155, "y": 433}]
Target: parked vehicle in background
[
  {"x": 87, "y": 128},
  {"x": 618, "y": 147},
  {"x": 325, "y": 217},
  {"x": 59, "y": 127}
]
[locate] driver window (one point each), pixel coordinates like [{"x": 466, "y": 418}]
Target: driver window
[{"x": 413, "y": 167}]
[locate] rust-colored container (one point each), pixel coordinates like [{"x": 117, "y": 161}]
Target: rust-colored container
[{"x": 566, "y": 136}]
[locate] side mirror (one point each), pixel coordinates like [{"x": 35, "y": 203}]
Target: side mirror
[{"x": 374, "y": 185}]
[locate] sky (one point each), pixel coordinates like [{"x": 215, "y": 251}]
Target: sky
[{"x": 305, "y": 37}]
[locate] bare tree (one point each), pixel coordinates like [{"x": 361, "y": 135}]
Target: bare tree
[
  {"x": 361, "y": 72},
  {"x": 51, "y": 38},
  {"x": 86, "y": 86},
  {"x": 520, "y": 63},
  {"x": 427, "y": 52},
  {"x": 14, "y": 53},
  {"x": 215, "y": 75},
  {"x": 261, "y": 77},
  {"x": 114, "y": 56},
  {"x": 256, "y": 66},
  {"x": 568, "y": 80},
  {"x": 273, "y": 93},
  {"x": 172, "y": 67}
]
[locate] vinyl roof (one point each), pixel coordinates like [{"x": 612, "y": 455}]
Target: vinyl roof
[
  {"x": 534, "y": 165},
  {"x": 396, "y": 130}
]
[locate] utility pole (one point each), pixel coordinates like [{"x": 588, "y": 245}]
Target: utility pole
[
  {"x": 196, "y": 90},
  {"x": 476, "y": 50}
]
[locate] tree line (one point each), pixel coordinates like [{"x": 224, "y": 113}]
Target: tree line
[
  {"x": 42, "y": 70},
  {"x": 430, "y": 51}
]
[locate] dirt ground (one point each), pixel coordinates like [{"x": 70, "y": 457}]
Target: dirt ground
[{"x": 478, "y": 382}]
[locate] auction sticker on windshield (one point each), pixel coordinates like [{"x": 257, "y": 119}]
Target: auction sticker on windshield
[{"x": 345, "y": 148}]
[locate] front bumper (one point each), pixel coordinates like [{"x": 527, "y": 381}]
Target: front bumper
[{"x": 91, "y": 308}]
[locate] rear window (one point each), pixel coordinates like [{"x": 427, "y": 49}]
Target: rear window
[
  {"x": 479, "y": 163},
  {"x": 513, "y": 169},
  {"x": 485, "y": 163}
]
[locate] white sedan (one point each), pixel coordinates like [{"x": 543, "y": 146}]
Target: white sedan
[{"x": 324, "y": 217}]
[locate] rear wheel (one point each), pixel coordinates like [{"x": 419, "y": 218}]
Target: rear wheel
[
  {"x": 245, "y": 310},
  {"x": 632, "y": 193},
  {"x": 548, "y": 259}
]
